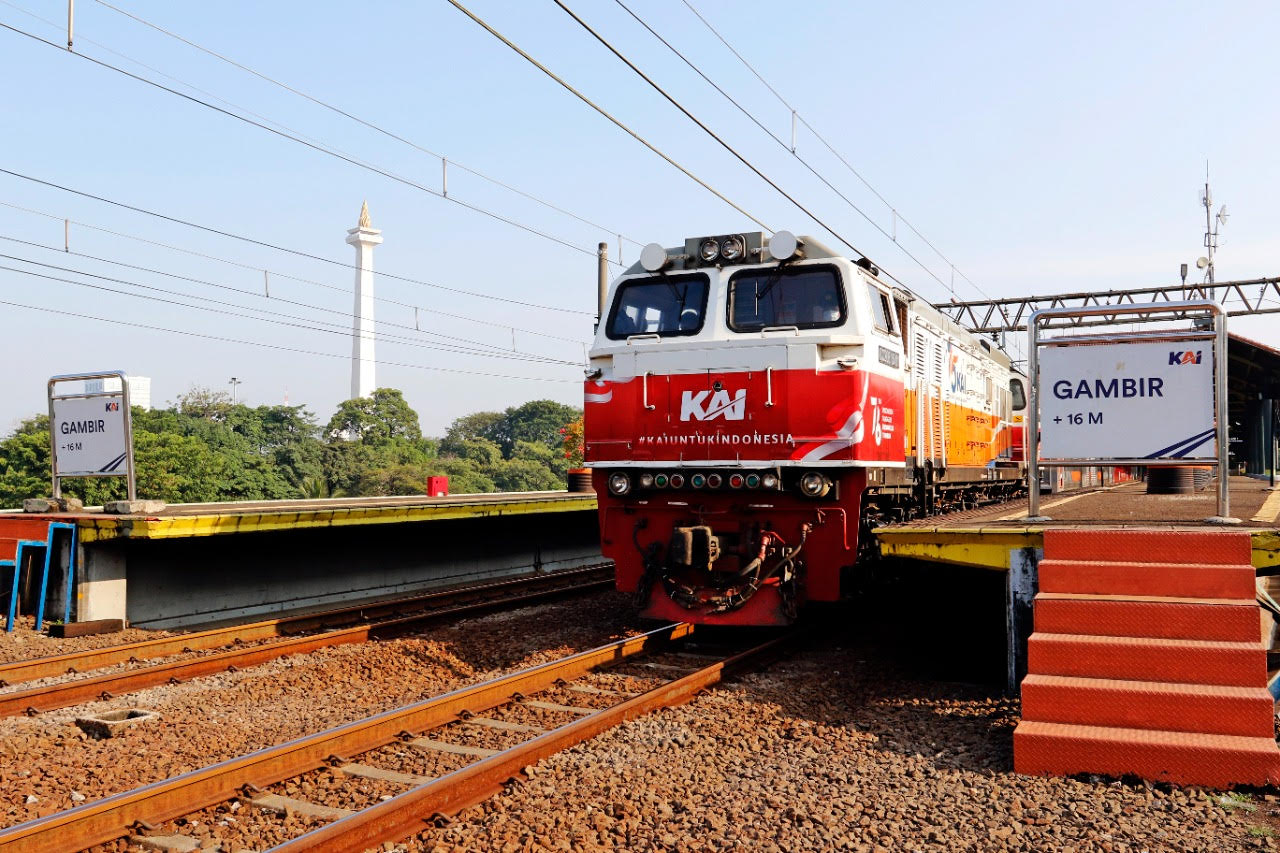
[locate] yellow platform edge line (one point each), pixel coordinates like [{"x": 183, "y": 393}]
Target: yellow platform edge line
[
  {"x": 989, "y": 548},
  {"x": 97, "y": 530},
  {"x": 1270, "y": 510}
]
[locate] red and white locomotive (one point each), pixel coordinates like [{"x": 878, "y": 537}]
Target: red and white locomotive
[{"x": 754, "y": 408}]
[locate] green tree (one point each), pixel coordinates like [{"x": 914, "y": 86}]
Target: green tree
[
  {"x": 538, "y": 421},
  {"x": 24, "y": 462},
  {"x": 481, "y": 425},
  {"x": 379, "y": 418}
]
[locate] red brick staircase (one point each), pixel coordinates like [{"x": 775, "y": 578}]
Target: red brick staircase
[{"x": 1147, "y": 659}]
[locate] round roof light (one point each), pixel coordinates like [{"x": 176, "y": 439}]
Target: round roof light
[
  {"x": 783, "y": 246},
  {"x": 709, "y": 249},
  {"x": 733, "y": 249},
  {"x": 653, "y": 257}
]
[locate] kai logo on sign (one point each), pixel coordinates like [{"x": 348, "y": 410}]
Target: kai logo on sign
[
  {"x": 1187, "y": 357},
  {"x": 706, "y": 406}
]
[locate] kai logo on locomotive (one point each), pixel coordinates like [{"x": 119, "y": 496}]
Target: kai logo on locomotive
[
  {"x": 1187, "y": 357},
  {"x": 706, "y": 406}
]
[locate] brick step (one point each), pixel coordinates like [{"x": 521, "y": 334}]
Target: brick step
[
  {"x": 1148, "y": 659},
  {"x": 1181, "y": 580},
  {"x": 1150, "y": 546},
  {"x": 1138, "y": 616},
  {"x": 1186, "y": 758},
  {"x": 8, "y": 548},
  {"x": 1211, "y": 709}
]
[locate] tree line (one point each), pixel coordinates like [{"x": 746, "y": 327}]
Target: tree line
[{"x": 205, "y": 448}]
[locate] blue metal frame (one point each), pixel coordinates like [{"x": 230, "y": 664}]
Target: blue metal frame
[
  {"x": 13, "y": 598},
  {"x": 44, "y": 579},
  {"x": 23, "y": 544}
]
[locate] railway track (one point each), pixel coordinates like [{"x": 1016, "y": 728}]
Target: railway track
[
  {"x": 538, "y": 712},
  {"x": 261, "y": 641}
]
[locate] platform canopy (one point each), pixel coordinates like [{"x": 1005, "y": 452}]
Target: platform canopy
[{"x": 1253, "y": 389}]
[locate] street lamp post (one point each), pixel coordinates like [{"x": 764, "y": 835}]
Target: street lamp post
[{"x": 233, "y": 383}]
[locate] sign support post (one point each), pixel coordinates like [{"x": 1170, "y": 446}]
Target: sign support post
[
  {"x": 1141, "y": 387},
  {"x": 91, "y": 433}
]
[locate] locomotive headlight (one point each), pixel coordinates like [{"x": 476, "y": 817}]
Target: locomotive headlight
[
  {"x": 770, "y": 481},
  {"x": 709, "y": 250},
  {"x": 619, "y": 483},
  {"x": 814, "y": 485},
  {"x": 646, "y": 481},
  {"x": 733, "y": 248}
]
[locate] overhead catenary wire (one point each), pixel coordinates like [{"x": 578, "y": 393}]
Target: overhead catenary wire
[
  {"x": 451, "y": 344},
  {"x": 758, "y": 123},
  {"x": 278, "y": 274},
  {"x": 302, "y": 322},
  {"x": 634, "y": 135},
  {"x": 275, "y": 299},
  {"x": 364, "y": 122},
  {"x": 298, "y": 252},
  {"x": 831, "y": 148},
  {"x": 188, "y": 333},
  {"x": 703, "y": 126},
  {"x": 315, "y": 146}
]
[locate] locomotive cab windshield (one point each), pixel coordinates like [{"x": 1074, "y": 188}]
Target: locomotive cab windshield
[
  {"x": 803, "y": 297},
  {"x": 663, "y": 305}
]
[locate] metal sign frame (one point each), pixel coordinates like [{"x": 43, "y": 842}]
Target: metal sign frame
[
  {"x": 128, "y": 425},
  {"x": 1180, "y": 310}
]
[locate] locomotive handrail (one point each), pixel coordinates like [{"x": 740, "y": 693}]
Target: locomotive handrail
[
  {"x": 768, "y": 382},
  {"x": 647, "y": 336},
  {"x": 649, "y": 407},
  {"x": 780, "y": 329}
]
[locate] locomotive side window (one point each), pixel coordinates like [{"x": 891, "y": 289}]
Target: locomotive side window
[
  {"x": 1019, "y": 393},
  {"x": 667, "y": 306},
  {"x": 803, "y": 297},
  {"x": 880, "y": 309}
]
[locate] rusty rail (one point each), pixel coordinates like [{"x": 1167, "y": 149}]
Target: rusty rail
[
  {"x": 16, "y": 672},
  {"x": 110, "y": 818},
  {"x": 413, "y": 811},
  {"x": 61, "y": 695}
]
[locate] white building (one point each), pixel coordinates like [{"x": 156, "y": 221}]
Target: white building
[{"x": 139, "y": 389}]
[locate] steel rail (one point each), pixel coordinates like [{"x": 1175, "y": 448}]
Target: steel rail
[
  {"x": 16, "y": 672},
  {"x": 54, "y": 696},
  {"x": 414, "y": 810},
  {"x": 110, "y": 818}
]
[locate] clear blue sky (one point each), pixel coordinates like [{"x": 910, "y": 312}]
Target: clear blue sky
[{"x": 1043, "y": 148}]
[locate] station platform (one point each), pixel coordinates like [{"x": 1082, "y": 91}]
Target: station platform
[
  {"x": 193, "y": 564},
  {"x": 995, "y": 537}
]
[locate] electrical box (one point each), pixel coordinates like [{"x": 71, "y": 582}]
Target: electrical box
[{"x": 437, "y": 487}]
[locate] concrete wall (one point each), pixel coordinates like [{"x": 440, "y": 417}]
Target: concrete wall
[{"x": 183, "y": 582}]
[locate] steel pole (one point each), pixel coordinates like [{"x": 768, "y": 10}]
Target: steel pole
[
  {"x": 602, "y": 279},
  {"x": 1031, "y": 440},
  {"x": 1220, "y": 411},
  {"x": 1271, "y": 441}
]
